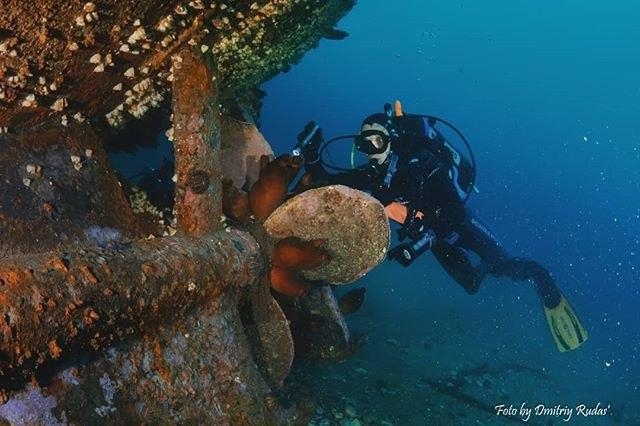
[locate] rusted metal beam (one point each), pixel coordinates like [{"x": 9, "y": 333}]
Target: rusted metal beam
[
  {"x": 88, "y": 298},
  {"x": 196, "y": 130}
]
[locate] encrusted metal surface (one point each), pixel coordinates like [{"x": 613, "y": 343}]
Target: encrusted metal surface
[
  {"x": 242, "y": 147},
  {"x": 196, "y": 123},
  {"x": 269, "y": 334},
  {"x": 352, "y": 222},
  {"x": 55, "y": 182},
  {"x": 170, "y": 304},
  {"x": 55, "y": 304}
]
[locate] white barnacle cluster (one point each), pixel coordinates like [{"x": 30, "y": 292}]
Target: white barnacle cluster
[
  {"x": 34, "y": 172},
  {"x": 76, "y": 161},
  {"x": 137, "y": 37},
  {"x": 16, "y": 81},
  {"x": 79, "y": 117},
  {"x": 167, "y": 40},
  {"x": 29, "y": 101},
  {"x": 180, "y": 10},
  {"x": 196, "y": 4},
  {"x": 19, "y": 80},
  {"x": 140, "y": 203},
  {"x": 142, "y": 96},
  {"x": 34, "y": 169},
  {"x": 101, "y": 61},
  {"x": 89, "y": 15},
  {"x": 169, "y": 134},
  {"x": 115, "y": 117},
  {"x": 169, "y": 229},
  {"x": 125, "y": 48},
  {"x": 225, "y": 223},
  {"x": 43, "y": 87},
  {"x": 64, "y": 120},
  {"x": 249, "y": 32},
  {"x": 7, "y": 48},
  {"x": 59, "y": 104},
  {"x": 166, "y": 27},
  {"x": 176, "y": 64},
  {"x": 165, "y": 24}
]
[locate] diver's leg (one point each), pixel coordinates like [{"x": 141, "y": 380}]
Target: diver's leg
[
  {"x": 476, "y": 237},
  {"x": 566, "y": 329},
  {"x": 455, "y": 260},
  {"x": 524, "y": 269}
]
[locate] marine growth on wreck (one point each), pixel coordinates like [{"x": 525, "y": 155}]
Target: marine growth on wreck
[{"x": 114, "y": 310}]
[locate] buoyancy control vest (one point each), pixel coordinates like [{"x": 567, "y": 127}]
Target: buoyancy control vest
[{"x": 407, "y": 130}]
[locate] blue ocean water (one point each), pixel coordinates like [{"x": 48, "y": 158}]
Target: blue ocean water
[{"x": 548, "y": 93}]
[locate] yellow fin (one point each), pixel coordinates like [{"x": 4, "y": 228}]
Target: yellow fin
[{"x": 567, "y": 331}]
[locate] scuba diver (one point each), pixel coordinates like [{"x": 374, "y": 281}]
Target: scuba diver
[{"x": 423, "y": 182}]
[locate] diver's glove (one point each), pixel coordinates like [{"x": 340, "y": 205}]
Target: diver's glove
[
  {"x": 309, "y": 141},
  {"x": 405, "y": 254}
]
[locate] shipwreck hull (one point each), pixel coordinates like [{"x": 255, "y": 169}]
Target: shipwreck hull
[
  {"x": 111, "y": 61},
  {"x": 108, "y": 313}
]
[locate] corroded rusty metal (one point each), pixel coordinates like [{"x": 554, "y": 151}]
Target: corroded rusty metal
[
  {"x": 169, "y": 304},
  {"x": 242, "y": 147},
  {"x": 194, "y": 369},
  {"x": 268, "y": 331},
  {"x": 88, "y": 298},
  {"x": 198, "y": 181},
  {"x": 353, "y": 224},
  {"x": 55, "y": 182},
  {"x": 196, "y": 123},
  {"x": 317, "y": 326}
]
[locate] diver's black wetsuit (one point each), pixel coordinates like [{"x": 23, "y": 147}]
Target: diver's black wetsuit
[{"x": 415, "y": 176}]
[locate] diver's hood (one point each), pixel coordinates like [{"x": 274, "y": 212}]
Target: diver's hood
[{"x": 381, "y": 157}]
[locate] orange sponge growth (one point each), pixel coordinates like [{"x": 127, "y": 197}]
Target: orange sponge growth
[
  {"x": 270, "y": 189},
  {"x": 290, "y": 255},
  {"x": 235, "y": 203},
  {"x": 288, "y": 282},
  {"x": 294, "y": 253}
]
